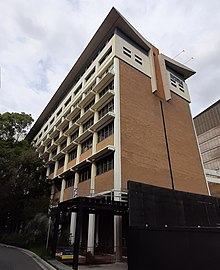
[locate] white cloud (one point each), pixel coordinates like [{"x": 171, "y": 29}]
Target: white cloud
[{"x": 41, "y": 40}]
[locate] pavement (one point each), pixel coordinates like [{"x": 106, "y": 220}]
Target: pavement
[
  {"x": 113, "y": 266},
  {"x": 34, "y": 262},
  {"x": 14, "y": 258}
]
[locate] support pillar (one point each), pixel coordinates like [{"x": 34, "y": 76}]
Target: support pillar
[
  {"x": 118, "y": 238},
  {"x": 72, "y": 227},
  {"x": 63, "y": 186},
  {"x": 79, "y": 219},
  {"x": 91, "y": 234}
]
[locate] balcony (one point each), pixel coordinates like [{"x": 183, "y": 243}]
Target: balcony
[
  {"x": 54, "y": 133},
  {"x": 44, "y": 155},
  {"x": 86, "y": 99},
  {"x": 103, "y": 99},
  {"x": 52, "y": 147},
  {"x": 104, "y": 80},
  {"x": 107, "y": 150},
  {"x": 61, "y": 138},
  {"x": 58, "y": 156},
  {"x": 83, "y": 136},
  {"x": 73, "y": 113},
  {"x": 104, "y": 120},
  {"x": 63, "y": 124},
  {"x": 40, "y": 148},
  {"x": 85, "y": 116},
  {"x": 71, "y": 129},
  {"x": 69, "y": 147},
  {"x": 47, "y": 140}
]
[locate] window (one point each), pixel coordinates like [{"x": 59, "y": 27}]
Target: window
[
  {"x": 106, "y": 132},
  {"x": 63, "y": 145},
  {"x": 67, "y": 113},
  {"x": 74, "y": 135},
  {"x": 76, "y": 118},
  {"x": 40, "y": 136},
  {"x": 51, "y": 121},
  {"x": 88, "y": 124},
  {"x": 78, "y": 89},
  {"x": 56, "y": 138},
  {"x": 68, "y": 101},
  {"x": 49, "y": 144},
  {"x": 65, "y": 128},
  {"x": 138, "y": 59},
  {"x": 59, "y": 112},
  {"x": 70, "y": 180},
  {"x": 104, "y": 57},
  {"x": 107, "y": 108},
  {"x": 72, "y": 154},
  {"x": 110, "y": 86},
  {"x": 45, "y": 129},
  {"x": 52, "y": 166},
  {"x": 127, "y": 52},
  {"x": 87, "y": 145},
  {"x": 90, "y": 74},
  {"x": 85, "y": 174},
  {"x": 54, "y": 153},
  {"x": 104, "y": 165},
  {"x": 89, "y": 105},
  {"x": 61, "y": 162}
]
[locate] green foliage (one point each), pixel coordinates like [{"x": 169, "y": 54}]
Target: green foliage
[
  {"x": 24, "y": 191},
  {"x": 14, "y": 126},
  {"x": 33, "y": 237}
]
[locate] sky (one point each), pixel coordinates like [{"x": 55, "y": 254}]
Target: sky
[{"x": 41, "y": 40}]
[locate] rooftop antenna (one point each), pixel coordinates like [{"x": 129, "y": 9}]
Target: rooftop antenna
[
  {"x": 178, "y": 54},
  {"x": 191, "y": 58}
]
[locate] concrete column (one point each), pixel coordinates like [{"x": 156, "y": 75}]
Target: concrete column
[
  {"x": 79, "y": 147},
  {"x": 80, "y": 130},
  {"x": 66, "y": 161},
  {"x": 93, "y": 174},
  {"x": 72, "y": 227},
  {"x": 63, "y": 186},
  {"x": 97, "y": 230},
  {"x": 48, "y": 171},
  {"x": 76, "y": 182},
  {"x": 118, "y": 238},
  {"x": 91, "y": 234},
  {"x": 117, "y": 133},
  {"x": 55, "y": 168},
  {"x": 94, "y": 142}
]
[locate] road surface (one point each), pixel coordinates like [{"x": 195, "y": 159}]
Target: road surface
[{"x": 14, "y": 259}]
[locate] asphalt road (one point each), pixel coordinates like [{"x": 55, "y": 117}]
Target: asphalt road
[{"x": 15, "y": 259}]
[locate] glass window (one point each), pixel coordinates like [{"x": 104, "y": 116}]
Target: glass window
[
  {"x": 88, "y": 124},
  {"x": 63, "y": 145},
  {"x": 107, "y": 108},
  {"x": 89, "y": 105},
  {"x": 74, "y": 135},
  {"x": 104, "y": 165},
  {"x": 72, "y": 154},
  {"x": 85, "y": 174},
  {"x": 110, "y": 86},
  {"x": 61, "y": 162},
  {"x": 105, "y": 132},
  {"x": 87, "y": 145}
]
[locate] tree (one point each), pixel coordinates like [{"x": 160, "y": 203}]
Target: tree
[
  {"x": 14, "y": 126},
  {"x": 24, "y": 191}
]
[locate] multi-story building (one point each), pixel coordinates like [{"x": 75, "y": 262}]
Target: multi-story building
[
  {"x": 121, "y": 113},
  {"x": 207, "y": 125}
]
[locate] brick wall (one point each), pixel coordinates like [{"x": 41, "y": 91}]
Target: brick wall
[{"x": 143, "y": 148}]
